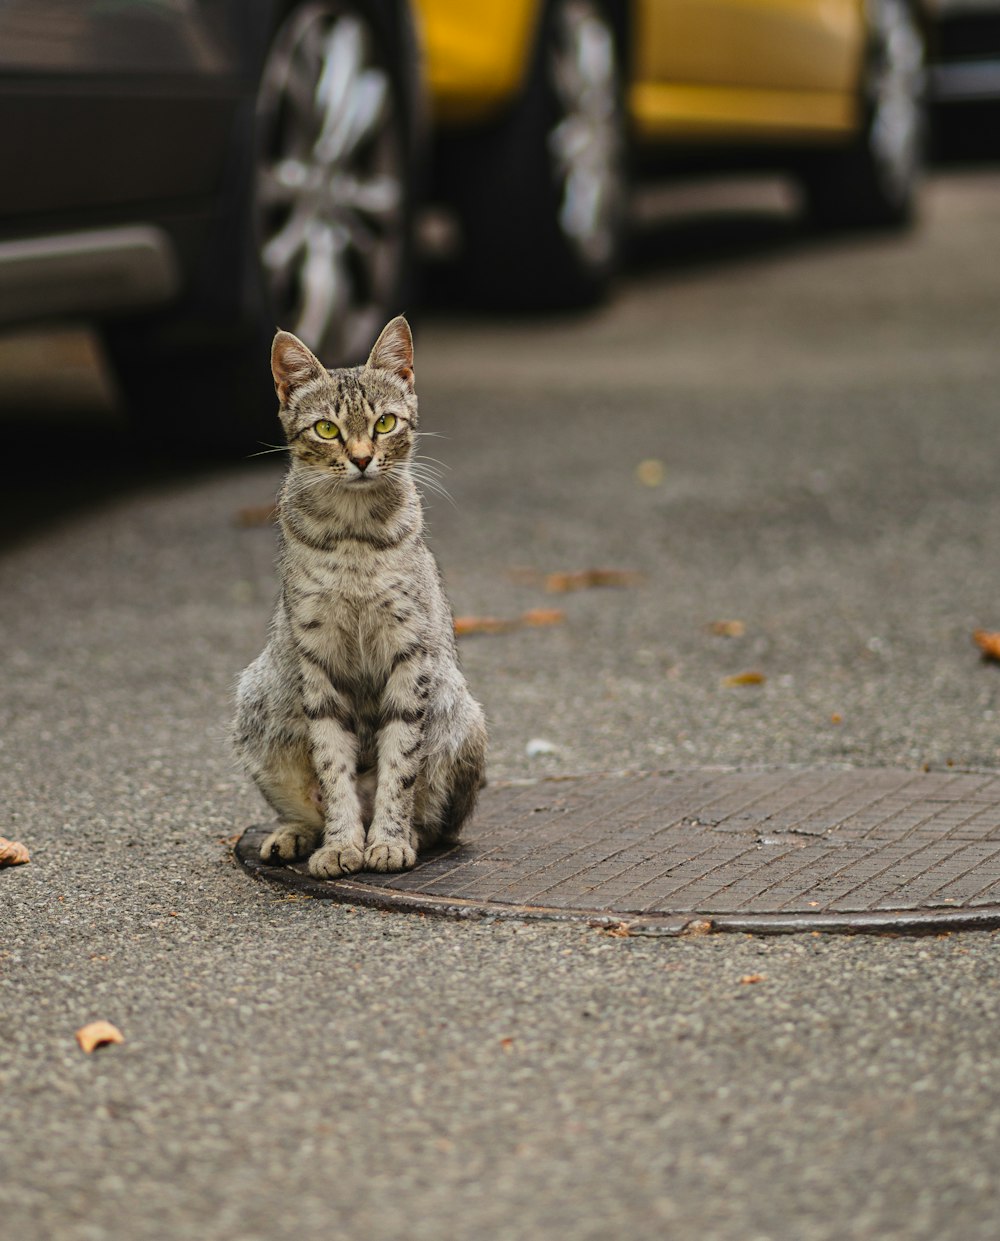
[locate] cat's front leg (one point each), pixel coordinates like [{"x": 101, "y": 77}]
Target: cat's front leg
[
  {"x": 391, "y": 843},
  {"x": 392, "y": 838},
  {"x": 334, "y": 754}
]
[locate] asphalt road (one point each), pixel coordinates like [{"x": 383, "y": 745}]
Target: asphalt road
[{"x": 824, "y": 419}]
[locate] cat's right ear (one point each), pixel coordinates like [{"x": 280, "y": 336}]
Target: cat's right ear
[{"x": 292, "y": 365}]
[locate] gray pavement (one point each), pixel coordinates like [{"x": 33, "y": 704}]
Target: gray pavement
[{"x": 825, "y": 416}]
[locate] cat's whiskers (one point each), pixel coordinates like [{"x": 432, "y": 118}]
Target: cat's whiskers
[
  {"x": 425, "y": 472},
  {"x": 299, "y": 482},
  {"x": 428, "y": 479},
  {"x": 269, "y": 448},
  {"x": 423, "y": 457}
]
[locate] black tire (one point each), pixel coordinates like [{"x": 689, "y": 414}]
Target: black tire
[
  {"x": 874, "y": 182},
  {"x": 203, "y": 368},
  {"x": 523, "y": 246}
]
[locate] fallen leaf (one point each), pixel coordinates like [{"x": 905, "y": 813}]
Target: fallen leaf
[
  {"x": 482, "y": 624},
  {"x": 697, "y": 926},
  {"x": 727, "y": 628},
  {"x": 538, "y": 617},
  {"x": 256, "y": 515},
  {"x": 98, "y": 1034},
  {"x": 752, "y": 978},
  {"x": 585, "y": 579},
  {"x": 507, "y": 1044},
  {"x": 836, "y": 718},
  {"x": 13, "y": 853},
  {"x": 650, "y": 472},
  {"x": 535, "y": 618},
  {"x": 620, "y": 930},
  {"x": 745, "y": 678},
  {"x": 988, "y": 642}
]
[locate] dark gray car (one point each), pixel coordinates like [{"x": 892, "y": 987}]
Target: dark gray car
[{"x": 191, "y": 175}]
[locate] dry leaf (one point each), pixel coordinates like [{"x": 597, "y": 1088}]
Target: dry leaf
[
  {"x": 584, "y": 579},
  {"x": 507, "y": 1044},
  {"x": 988, "y": 642},
  {"x": 697, "y": 926},
  {"x": 538, "y": 617},
  {"x": 745, "y": 678},
  {"x": 98, "y": 1034},
  {"x": 620, "y": 930},
  {"x": 650, "y": 472},
  {"x": 727, "y": 628},
  {"x": 13, "y": 853},
  {"x": 752, "y": 978},
  {"x": 482, "y": 624},
  {"x": 256, "y": 515},
  {"x": 836, "y": 718}
]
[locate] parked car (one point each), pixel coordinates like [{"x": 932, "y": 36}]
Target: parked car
[
  {"x": 965, "y": 76},
  {"x": 543, "y": 110},
  {"x": 190, "y": 175}
]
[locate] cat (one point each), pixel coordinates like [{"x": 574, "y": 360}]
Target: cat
[{"x": 355, "y": 722}]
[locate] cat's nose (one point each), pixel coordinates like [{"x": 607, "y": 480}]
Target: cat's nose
[{"x": 361, "y": 462}]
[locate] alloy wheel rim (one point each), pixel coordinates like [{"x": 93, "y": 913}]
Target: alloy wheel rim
[
  {"x": 896, "y": 91},
  {"x": 585, "y": 143},
  {"x": 329, "y": 181}
]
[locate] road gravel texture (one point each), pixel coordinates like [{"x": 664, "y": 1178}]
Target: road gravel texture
[{"x": 825, "y": 419}]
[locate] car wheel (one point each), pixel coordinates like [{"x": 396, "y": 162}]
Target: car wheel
[
  {"x": 541, "y": 194},
  {"x": 332, "y": 195},
  {"x": 874, "y": 181},
  {"x": 316, "y": 227}
]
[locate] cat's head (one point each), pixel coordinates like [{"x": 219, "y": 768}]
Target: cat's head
[{"x": 357, "y": 425}]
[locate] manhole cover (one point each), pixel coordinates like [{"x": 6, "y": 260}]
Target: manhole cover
[{"x": 826, "y": 849}]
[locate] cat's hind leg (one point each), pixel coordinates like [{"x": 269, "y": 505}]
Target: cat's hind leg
[
  {"x": 297, "y": 835},
  {"x": 288, "y": 784},
  {"x": 447, "y": 793},
  {"x": 273, "y": 746}
]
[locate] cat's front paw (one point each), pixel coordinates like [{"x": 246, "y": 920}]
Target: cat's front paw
[
  {"x": 289, "y": 843},
  {"x": 395, "y": 856},
  {"x": 332, "y": 861}
]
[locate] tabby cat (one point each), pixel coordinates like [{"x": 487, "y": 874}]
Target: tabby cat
[{"x": 356, "y": 722}]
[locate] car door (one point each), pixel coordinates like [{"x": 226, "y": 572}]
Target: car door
[
  {"x": 746, "y": 65},
  {"x": 104, "y": 106}
]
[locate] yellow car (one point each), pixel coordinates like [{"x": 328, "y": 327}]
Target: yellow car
[{"x": 544, "y": 108}]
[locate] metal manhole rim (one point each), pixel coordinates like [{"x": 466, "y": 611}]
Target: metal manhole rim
[{"x": 902, "y": 919}]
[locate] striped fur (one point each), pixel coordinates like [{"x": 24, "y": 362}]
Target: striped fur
[{"x": 355, "y": 722}]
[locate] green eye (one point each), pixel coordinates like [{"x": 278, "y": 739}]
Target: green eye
[
  {"x": 326, "y": 430},
  {"x": 385, "y": 423}
]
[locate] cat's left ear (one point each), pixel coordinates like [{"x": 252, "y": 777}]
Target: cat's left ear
[
  {"x": 292, "y": 365},
  {"x": 393, "y": 351}
]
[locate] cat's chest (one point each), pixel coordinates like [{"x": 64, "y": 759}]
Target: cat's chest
[{"x": 353, "y": 617}]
